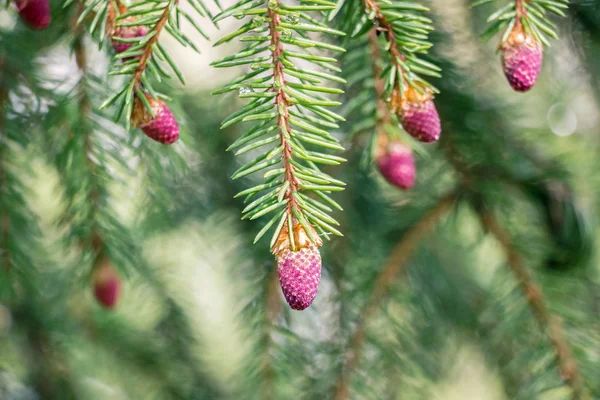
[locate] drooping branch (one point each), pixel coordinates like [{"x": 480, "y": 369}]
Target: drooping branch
[
  {"x": 567, "y": 363},
  {"x": 148, "y": 48},
  {"x": 394, "y": 266},
  {"x": 281, "y": 102},
  {"x": 85, "y": 111}
]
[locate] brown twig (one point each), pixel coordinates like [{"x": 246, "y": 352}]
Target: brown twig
[
  {"x": 137, "y": 76},
  {"x": 371, "y": 6},
  {"x": 394, "y": 266},
  {"x": 85, "y": 109},
  {"x": 566, "y": 362}
]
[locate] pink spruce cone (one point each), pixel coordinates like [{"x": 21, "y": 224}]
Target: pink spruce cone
[
  {"x": 127, "y": 32},
  {"x": 419, "y": 117},
  {"x": 299, "y": 276},
  {"x": 299, "y": 271},
  {"x": 107, "y": 285},
  {"x": 35, "y": 13},
  {"x": 397, "y": 165},
  {"x": 163, "y": 127},
  {"x": 521, "y": 59}
]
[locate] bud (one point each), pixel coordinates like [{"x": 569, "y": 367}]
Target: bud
[
  {"x": 397, "y": 165},
  {"x": 161, "y": 127},
  {"x": 35, "y": 13},
  {"x": 418, "y": 115},
  {"x": 521, "y": 59},
  {"x": 107, "y": 285},
  {"x": 300, "y": 270},
  {"x": 126, "y": 32}
]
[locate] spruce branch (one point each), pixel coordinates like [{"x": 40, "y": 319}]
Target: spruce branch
[
  {"x": 567, "y": 363},
  {"x": 289, "y": 104},
  {"x": 530, "y": 15},
  {"x": 135, "y": 33},
  {"x": 394, "y": 266},
  {"x": 94, "y": 241}
]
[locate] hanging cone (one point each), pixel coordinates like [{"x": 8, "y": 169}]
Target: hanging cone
[
  {"x": 126, "y": 32},
  {"x": 107, "y": 285},
  {"x": 300, "y": 270},
  {"x": 418, "y": 115},
  {"x": 162, "y": 127},
  {"x": 397, "y": 165},
  {"x": 521, "y": 58},
  {"x": 35, "y": 13}
]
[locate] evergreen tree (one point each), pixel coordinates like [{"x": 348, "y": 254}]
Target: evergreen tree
[{"x": 433, "y": 223}]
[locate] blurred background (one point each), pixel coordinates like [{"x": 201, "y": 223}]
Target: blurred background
[{"x": 479, "y": 283}]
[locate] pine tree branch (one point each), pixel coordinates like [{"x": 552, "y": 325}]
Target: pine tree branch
[
  {"x": 566, "y": 361},
  {"x": 85, "y": 110},
  {"x": 372, "y": 6},
  {"x": 289, "y": 179},
  {"x": 384, "y": 116},
  {"x": 394, "y": 266},
  {"x": 139, "y": 71}
]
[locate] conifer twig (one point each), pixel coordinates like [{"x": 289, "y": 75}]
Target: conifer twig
[
  {"x": 567, "y": 363},
  {"x": 85, "y": 109},
  {"x": 394, "y": 266},
  {"x": 282, "y": 105},
  {"x": 384, "y": 116},
  {"x": 137, "y": 76}
]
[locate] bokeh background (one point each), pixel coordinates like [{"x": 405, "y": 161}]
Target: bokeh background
[{"x": 201, "y": 315}]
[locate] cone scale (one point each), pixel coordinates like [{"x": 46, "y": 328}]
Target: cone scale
[
  {"x": 521, "y": 57},
  {"x": 299, "y": 269}
]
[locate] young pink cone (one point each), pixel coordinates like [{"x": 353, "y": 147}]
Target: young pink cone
[
  {"x": 162, "y": 127},
  {"x": 126, "y": 32},
  {"x": 299, "y": 276},
  {"x": 397, "y": 165},
  {"x": 521, "y": 58},
  {"x": 35, "y": 13},
  {"x": 418, "y": 115},
  {"x": 107, "y": 285},
  {"x": 299, "y": 271}
]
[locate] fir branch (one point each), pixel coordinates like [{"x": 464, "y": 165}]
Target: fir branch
[
  {"x": 388, "y": 275},
  {"x": 530, "y": 15},
  {"x": 85, "y": 110},
  {"x": 288, "y": 104},
  {"x": 405, "y": 36},
  {"x": 566, "y": 361}
]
